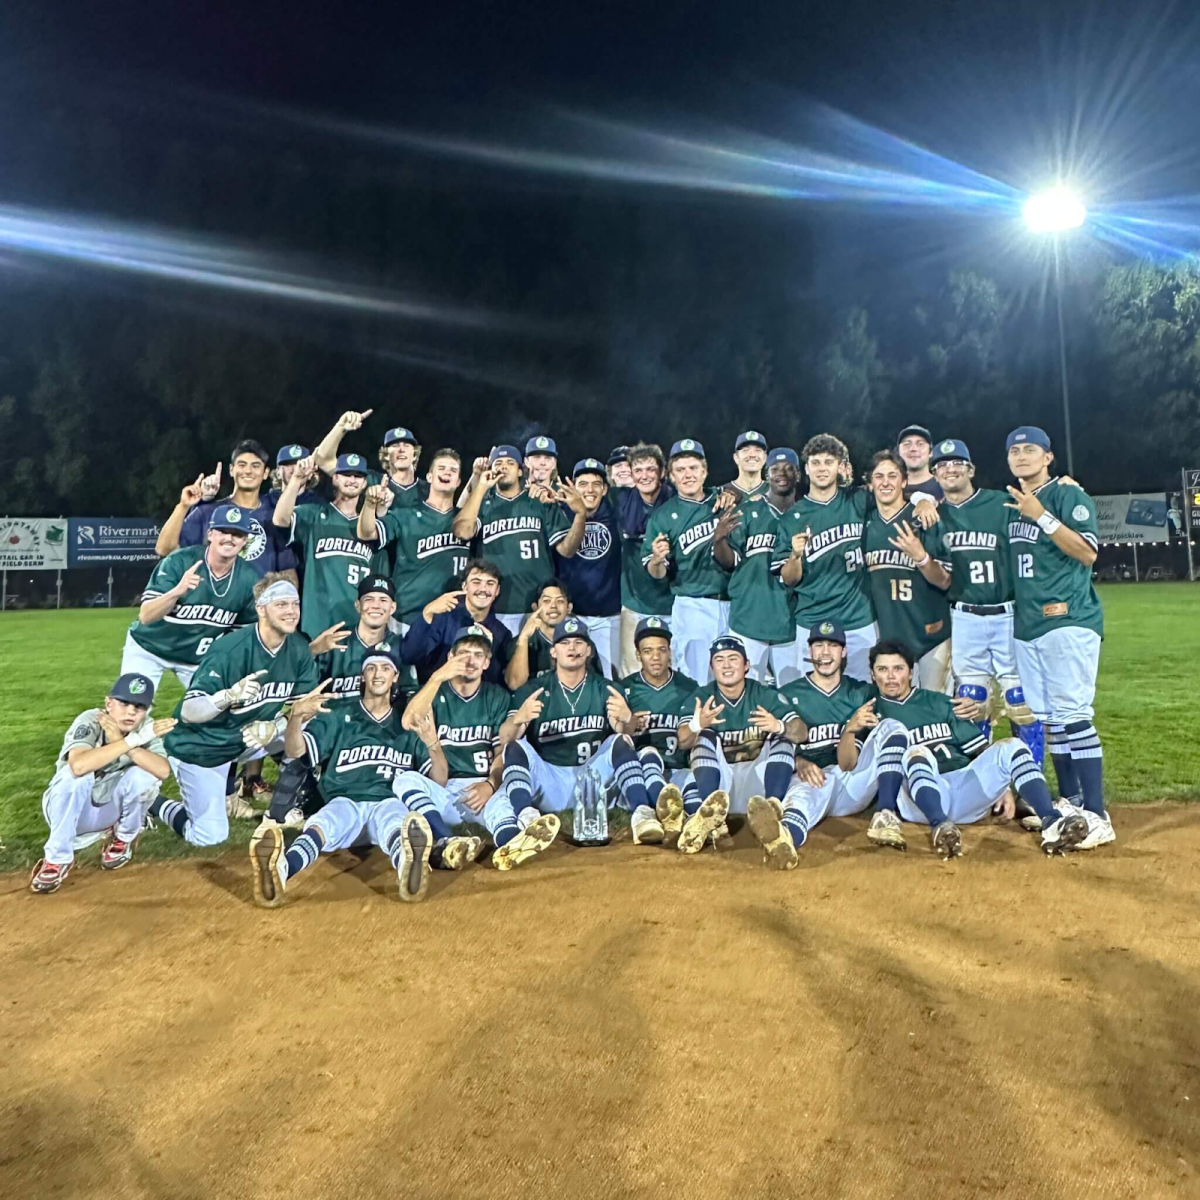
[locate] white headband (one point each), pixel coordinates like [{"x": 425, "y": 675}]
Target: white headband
[{"x": 281, "y": 589}]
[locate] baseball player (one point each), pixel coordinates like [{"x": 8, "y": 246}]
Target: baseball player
[
  {"x": 750, "y": 457},
  {"x": 830, "y": 703},
  {"x": 1057, "y": 619},
  {"x": 372, "y": 779},
  {"x": 906, "y": 582},
  {"x": 619, "y": 472},
  {"x": 678, "y": 548},
  {"x": 974, "y": 533},
  {"x": 398, "y": 458},
  {"x": 336, "y": 560},
  {"x": 541, "y": 463},
  {"x": 761, "y": 611},
  {"x": 913, "y": 447},
  {"x": 741, "y": 737},
  {"x": 230, "y": 711},
  {"x": 194, "y": 595},
  {"x": 593, "y": 573},
  {"x": 531, "y": 648},
  {"x": 419, "y": 539},
  {"x": 934, "y": 766},
  {"x": 109, "y": 769},
  {"x": 518, "y": 532}
]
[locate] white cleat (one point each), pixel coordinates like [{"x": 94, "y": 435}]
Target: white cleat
[
  {"x": 1067, "y": 832},
  {"x": 947, "y": 840},
  {"x": 708, "y": 818},
  {"x": 536, "y": 836},
  {"x": 295, "y": 818},
  {"x": 1099, "y": 833},
  {"x": 238, "y": 808},
  {"x": 885, "y": 830},
  {"x": 645, "y": 826},
  {"x": 459, "y": 852}
]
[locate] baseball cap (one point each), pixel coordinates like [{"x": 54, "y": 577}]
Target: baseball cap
[
  {"x": 376, "y": 583},
  {"x": 400, "y": 434},
  {"x": 950, "y": 448},
  {"x": 750, "y": 438},
  {"x": 914, "y": 431},
  {"x": 250, "y": 446},
  {"x": 229, "y": 516},
  {"x": 499, "y": 452},
  {"x": 618, "y": 454},
  {"x": 541, "y": 445},
  {"x": 1029, "y": 435},
  {"x": 651, "y": 627},
  {"x": 687, "y": 446},
  {"x": 727, "y": 641},
  {"x": 827, "y": 631},
  {"x": 589, "y": 466},
  {"x": 783, "y": 455},
  {"x": 290, "y": 454},
  {"x": 571, "y": 627},
  {"x": 133, "y": 688},
  {"x": 472, "y": 631},
  {"x": 351, "y": 464}
]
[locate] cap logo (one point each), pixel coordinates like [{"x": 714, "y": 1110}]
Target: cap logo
[
  {"x": 295, "y": 451},
  {"x": 542, "y": 443},
  {"x": 687, "y": 444},
  {"x": 352, "y": 460},
  {"x": 947, "y": 447},
  {"x": 571, "y": 627},
  {"x": 234, "y": 515},
  {"x": 825, "y": 627},
  {"x": 752, "y": 436},
  {"x": 654, "y": 623},
  {"x": 399, "y": 432},
  {"x": 137, "y": 687}
]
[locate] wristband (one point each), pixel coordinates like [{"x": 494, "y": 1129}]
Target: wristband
[
  {"x": 1049, "y": 523},
  {"x": 139, "y": 737},
  {"x": 693, "y": 724},
  {"x": 922, "y": 563}
]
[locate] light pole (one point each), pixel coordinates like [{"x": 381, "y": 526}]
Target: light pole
[{"x": 1057, "y": 211}]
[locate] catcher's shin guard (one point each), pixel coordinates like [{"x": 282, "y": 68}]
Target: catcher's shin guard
[{"x": 295, "y": 785}]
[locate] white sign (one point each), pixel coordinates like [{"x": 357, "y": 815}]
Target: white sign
[
  {"x": 1132, "y": 518},
  {"x": 33, "y": 544}
]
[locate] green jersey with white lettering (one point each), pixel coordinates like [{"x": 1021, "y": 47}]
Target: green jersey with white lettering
[
  {"x": 760, "y": 607},
  {"x": 640, "y": 591},
  {"x": 404, "y": 495},
  {"x": 518, "y": 535},
  {"x": 975, "y": 542},
  {"x": 825, "y": 714},
  {"x": 211, "y": 608},
  {"x": 833, "y": 586},
  {"x": 930, "y": 720},
  {"x": 573, "y": 724},
  {"x": 664, "y": 703},
  {"x": 336, "y": 560},
  {"x": 359, "y": 755},
  {"x": 740, "y": 740},
  {"x": 757, "y": 492},
  {"x": 420, "y": 542},
  {"x": 538, "y": 649},
  {"x": 1053, "y": 590},
  {"x": 344, "y": 667},
  {"x": 689, "y": 526},
  {"x": 290, "y": 671},
  {"x": 469, "y": 729}
]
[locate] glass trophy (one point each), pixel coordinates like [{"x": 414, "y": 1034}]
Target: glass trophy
[{"x": 591, "y": 810}]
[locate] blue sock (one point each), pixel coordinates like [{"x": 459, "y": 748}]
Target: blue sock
[
  {"x": 978, "y": 693},
  {"x": 706, "y": 766},
  {"x": 691, "y": 798},
  {"x": 795, "y": 822},
  {"x": 780, "y": 767},
  {"x": 891, "y": 774},
  {"x": 169, "y": 812},
  {"x": 418, "y": 802},
  {"x": 1064, "y": 765},
  {"x": 1088, "y": 759},
  {"x": 516, "y": 777},
  {"x": 393, "y": 847},
  {"x": 922, "y": 786},
  {"x": 302, "y": 853},
  {"x": 505, "y": 832},
  {"x": 1034, "y": 736},
  {"x": 1031, "y": 786},
  {"x": 653, "y": 772},
  {"x": 628, "y": 773}
]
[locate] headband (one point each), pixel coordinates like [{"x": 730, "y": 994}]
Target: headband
[{"x": 281, "y": 589}]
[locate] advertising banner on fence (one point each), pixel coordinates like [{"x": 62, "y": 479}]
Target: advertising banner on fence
[
  {"x": 1132, "y": 518},
  {"x": 33, "y": 543},
  {"x": 94, "y": 541}
]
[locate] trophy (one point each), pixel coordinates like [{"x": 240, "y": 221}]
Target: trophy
[{"x": 591, "y": 810}]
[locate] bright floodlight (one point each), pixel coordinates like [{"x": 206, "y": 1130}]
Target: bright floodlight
[{"x": 1054, "y": 211}]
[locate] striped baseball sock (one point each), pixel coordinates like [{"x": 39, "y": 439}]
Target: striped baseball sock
[
  {"x": 416, "y": 801},
  {"x": 654, "y": 773},
  {"x": 796, "y": 823},
  {"x": 691, "y": 797},
  {"x": 1031, "y": 785},
  {"x": 922, "y": 786},
  {"x": 170, "y": 812},
  {"x": 1064, "y": 765},
  {"x": 891, "y": 774},
  {"x": 1088, "y": 759},
  {"x": 706, "y": 767},
  {"x": 780, "y": 766},
  {"x": 516, "y": 778},
  {"x": 302, "y": 853},
  {"x": 629, "y": 775}
]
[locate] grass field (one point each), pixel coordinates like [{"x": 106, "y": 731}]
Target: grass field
[{"x": 56, "y": 664}]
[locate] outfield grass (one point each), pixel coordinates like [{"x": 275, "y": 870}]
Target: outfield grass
[{"x": 55, "y": 664}]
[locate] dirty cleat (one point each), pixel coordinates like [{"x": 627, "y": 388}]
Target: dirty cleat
[
  {"x": 116, "y": 854},
  {"x": 533, "y": 839},
  {"x": 412, "y": 864},
  {"x": 268, "y": 866},
  {"x": 48, "y": 877},
  {"x": 238, "y": 807},
  {"x": 885, "y": 830},
  {"x": 1068, "y": 832},
  {"x": 765, "y": 818},
  {"x": 1025, "y": 814},
  {"x": 459, "y": 852},
  {"x": 668, "y": 808},
  {"x": 1100, "y": 831},
  {"x": 709, "y": 817},
  {"x": 947, "y": 840},
  {"x": 295, "y": 818},
  {"x": 645, "y": 826}
]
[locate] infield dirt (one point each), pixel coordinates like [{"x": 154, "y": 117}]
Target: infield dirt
[{"x": 616, "y": 1022}]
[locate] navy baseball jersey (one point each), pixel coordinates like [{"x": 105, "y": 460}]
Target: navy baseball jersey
[
  {"x": 594, "y": 573},
  {"x": 265, "y": 543}
]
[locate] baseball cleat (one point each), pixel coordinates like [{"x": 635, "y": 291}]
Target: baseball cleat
[
  {"x": 708, "y": 817},
  {"x": 116, "y": 854},
  {"x": 533, "y": 839},
  {"x": 947, "y": 840},
  {"x": 885, "y": 830},
  {"x": 294, "y": 819},
  {"x": 645, "y": 826},
  {"x": 668, "y": 808},
  {"x": 48, "y": 877},
  {"x": 237, "y": 807},
  {"x": 765, "y": 818},
  {"x": 1025, "y": 814},
  {"x": 1099, "y": 831},
  {"x": 412, "y": 866},
  {"x": 460, "y": 852},
  {"x": 267, "y": 865},
  {"x": 1067, "y": 832}
]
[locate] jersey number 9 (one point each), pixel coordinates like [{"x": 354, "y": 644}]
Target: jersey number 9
[{"x": 585, "y": 750}]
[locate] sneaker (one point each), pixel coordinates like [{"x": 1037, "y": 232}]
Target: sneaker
[
  {"x": 947, "y": 840},
  {"x": 459, "y": 852},
  {"x": 116, "y": 854},
  {"x": 668, "y": 808},
  {"x": 708, "y": 817},
  {"x": 268, "y": 865},
  {"x": 885, "y": 830},
  {"x": 1099, "y": 831},
  {"x": 412, "y": 865},
  {"x": 646, "y": 827},
  {"x": 48, "y": 877},
  {"x": 535, "y": 837},
  {"x": 765, "y": 818}
]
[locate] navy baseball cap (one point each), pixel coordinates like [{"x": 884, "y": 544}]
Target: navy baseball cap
[
  {"x": 290, "y": 454},
  {"x": 472, "y": 631},
  {"x": 651, "y": 627},
  {"x": 950, "y": 448},
  {"x": 727, "y": 641},
  {"x": 914, "y": 431},
  {"x": 351, "y": 464},
  {"x": 1027, "y": 435},
  {"x": 618, "y": 454},
  {"x": 229, "y": 516},
  {"x": 400, "y": 434},
  {"x": 687, "y": 446},
  {"x": 376, "y": 583},
  {"x": 382, "y": 653},
  {"x": 499, "y": 452},
  {"x": 783, "y": 455},
  {"x": 133, "y": 688},
  {"x": 541, "y": 445},
  {"x": 750, "y": 438},
  {"x": 827, "y": 631},
  {"x": 572, "y": 627},
  {"x": 589, "y": 466}
]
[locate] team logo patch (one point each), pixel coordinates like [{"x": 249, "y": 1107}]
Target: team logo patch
[
  {"x": 353, "y": 460},
  {"x": 687, "y": 444},
  {"x": 825, "y": 627},
  {"x": 234, "y": 515},
  {"x": 947, "y": 447},
  {"x": 752, "y": 436},
  {"x": 295, "y": 451},
  {"x": 654, "y": 623},
  {"x": 1080, "y": 512},
  {"x": 137, "y": 687},
  {"x": 597, "y": 542},
  {"x": 571, "y": 627}
]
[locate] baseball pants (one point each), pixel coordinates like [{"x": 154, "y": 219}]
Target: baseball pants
[
  {"x": 1058, "y": 674},
  {"x": 553, "y": 788},
  {"x": 202, "y": 790},
  {"x": 344, "y": 822},
  {"x": 605, "y": 633},
  {"x": 740, "y": 780},
  {"x": 696, "y": 622},
  {"x": 858, "y": 648},
  {"x": 79, "y": 814},
  {"x": 933, "y": 672},
  {"x": 496, "y": 812},
  {"x": 981, "y": 648},
  {"x": 135, "y": 658},
  {"x": 967, "y": 794},
  {"x": 777, "y": 657},
  {"x": 844, "y": 792}
]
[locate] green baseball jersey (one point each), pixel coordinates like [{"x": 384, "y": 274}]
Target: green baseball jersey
[
  {"x": 290, "y": 670},
  {"x": 85, "y": 731},
  {"x": 760, "y": 607},
  {"x": 908, "y": 608},
  {"x": 825, "y": 714},
  {"x": 689, "y": 526},
  {"x": 740, "y": 740},
  {"x": 640, "y": 591},
  {"x": 359, "y": 755},
  {"x": 344, "y": 667},
  {"x": 518, "y": 536},
  {"x": 833, "y": 586},
  {"x": 404, "y": 495},
  {"x": 930, "y": 720},
  {"x": 573, "y": 724},
  {"x": 743, "y": 494},
  {"x": 426, "y": 555},
  {"x": 211, "y": 608},
  {"x": 974, "y": 536},
  {"x": 664, "y": 704},
  {"x": 539, "y": 655},
  {"x": 1053, "y": 590},
  {"x": 469, "y": 729},
  {"x": 336, "y": 560}
]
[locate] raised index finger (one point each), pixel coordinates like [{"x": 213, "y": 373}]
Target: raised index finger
[{"x": 366, "y": 413}]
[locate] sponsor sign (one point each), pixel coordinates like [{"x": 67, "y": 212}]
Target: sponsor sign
[
  {"x": 93, "y": 541},
  {"x": 1132, "y": 518},
  {"x": 33, "y": 543}
]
